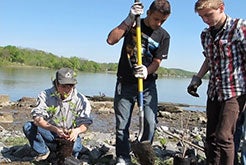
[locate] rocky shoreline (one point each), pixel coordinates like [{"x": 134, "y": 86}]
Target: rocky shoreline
[{"x": 177, "y": 129}]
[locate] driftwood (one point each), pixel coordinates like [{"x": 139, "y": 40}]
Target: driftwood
[
  {"x": 181, "y": 139},
  {"x": 102, "y": 97}
]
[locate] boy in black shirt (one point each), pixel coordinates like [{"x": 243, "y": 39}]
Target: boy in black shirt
[{"x": 155, "y": 46}]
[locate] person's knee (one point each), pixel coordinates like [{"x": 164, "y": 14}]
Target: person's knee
[
  {"x": 225, "y": 140},
  {"x": 77, "y": 147},
  {"x": 150, "y": 124},
  {"x": 27, "y": 126}
]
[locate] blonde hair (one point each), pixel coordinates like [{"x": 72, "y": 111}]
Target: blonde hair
[{"x": 211, "y": 4}]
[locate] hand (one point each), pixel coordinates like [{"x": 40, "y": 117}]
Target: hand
[
  {"x": 194, "y": 84},
  {"x": 74, "y": 134},
  {"x": 136, "y": 9},
  {"x": 140, "y": 71},
  {"x": 60, "y": 132}
]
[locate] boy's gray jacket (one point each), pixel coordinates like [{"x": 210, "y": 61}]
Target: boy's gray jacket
[{"x": 71, "y": 112}]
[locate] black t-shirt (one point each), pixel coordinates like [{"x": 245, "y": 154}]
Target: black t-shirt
[{"x": 155, "y": 44}]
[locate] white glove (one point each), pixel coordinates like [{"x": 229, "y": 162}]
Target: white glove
[
  {"x": 140, "y": 71},
  {"x": 136, "y": 9}
]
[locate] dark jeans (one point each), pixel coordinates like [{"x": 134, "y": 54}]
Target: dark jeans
[
  {"x": 243, "y": 151},
  {"x": 238, "y": 136},
  {"x": 221, "y": 125},
  {"x": 125, "y": 97},
  {"x": 39, "y": 137}
]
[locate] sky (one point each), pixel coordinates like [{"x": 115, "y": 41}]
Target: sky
[{"x": 79, "y": 28}]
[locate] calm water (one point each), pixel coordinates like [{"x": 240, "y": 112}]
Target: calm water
[{"x": 29, "y": 82}]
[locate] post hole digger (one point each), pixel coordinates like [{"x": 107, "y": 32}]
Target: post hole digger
[{"x": 142, "y": 149}]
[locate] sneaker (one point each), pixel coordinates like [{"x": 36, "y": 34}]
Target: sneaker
[
  {"x": 42, "y": 156},
  {"x": 121, "y": 161}
]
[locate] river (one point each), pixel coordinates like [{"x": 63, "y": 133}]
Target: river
[{"x": 19, "y": 82}]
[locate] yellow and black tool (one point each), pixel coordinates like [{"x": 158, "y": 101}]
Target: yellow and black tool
[
  {"x": 140, "y": 80},
  {"x": 142, "y": 149}
]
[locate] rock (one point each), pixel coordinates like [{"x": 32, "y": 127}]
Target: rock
[
  {"x": 165, "y": 114},
  {"x": 72, "y": 161},
  {"x": 6, "y": 117},
  {"x": 202, "y": 119},
  {"x": 100, "y": 107},
  {"x": 99, "y": 140},
  {"x": 26, "y": 102},
  {"x": 4, "y": 100},
  {"x": 95, "y": 154},
  {"x": 169, "y": 108}
]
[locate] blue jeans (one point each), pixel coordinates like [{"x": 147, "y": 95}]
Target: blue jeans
[
  {"x": 39, "y": 138},
  {"x": 125, "y": 97}
]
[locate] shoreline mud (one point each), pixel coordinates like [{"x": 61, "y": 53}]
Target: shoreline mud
[{"x": 172, "y": 117}]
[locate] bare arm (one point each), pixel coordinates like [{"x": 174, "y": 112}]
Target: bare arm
[
  {"x": 117, "y": 33},
  {"x": 204, "y": 69},
  {"x": 152, "y": 68},
  {"x": 82, "y": 128},
  {"x": 40, "y": 122}
]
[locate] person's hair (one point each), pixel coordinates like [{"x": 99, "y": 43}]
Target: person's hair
[
  {"x": 55, "y": 83},
  {"x": 163, "y": 6},
  {"x": 211, "y": 4}
]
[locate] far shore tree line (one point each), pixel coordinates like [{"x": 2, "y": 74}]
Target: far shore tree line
[{"x": 12, "y": 55}]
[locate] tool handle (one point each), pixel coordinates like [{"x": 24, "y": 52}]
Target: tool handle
[
  {"x": 139, "y": 48},
  {"x": 140, "y": 80}
]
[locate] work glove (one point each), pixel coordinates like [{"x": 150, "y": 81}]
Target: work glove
[
  {"x": 136, "y": 9},
  {"x": 194, "y": 84},
  {"x": 140, "y": 71}
]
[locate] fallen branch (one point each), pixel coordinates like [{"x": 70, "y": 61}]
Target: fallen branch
[{"x": 181, "y": 139}]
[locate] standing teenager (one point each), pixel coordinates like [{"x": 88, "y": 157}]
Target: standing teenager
[
  {"x": 224, "y": 48},
  {"x": 155, "y": 46}
]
